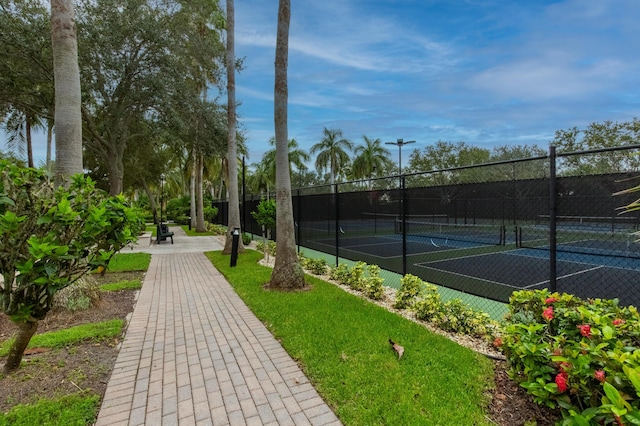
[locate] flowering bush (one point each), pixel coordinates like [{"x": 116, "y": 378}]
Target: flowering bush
[{"x": 583, "y": 356}]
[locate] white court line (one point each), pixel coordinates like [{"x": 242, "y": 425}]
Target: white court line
[{"x": 567, "y": 276}]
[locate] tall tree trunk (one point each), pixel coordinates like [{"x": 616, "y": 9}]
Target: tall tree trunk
[
  {"x": 116, "y": 172},
  {"x": 232, "y": 146},
  {"x": 287, "y": 273},
  {"x": 192, "y": 189},
  {"x": 68, "y": 119},
  {"x": 49, "y": 142},
  {"x": 29, "y": 142},
  {"x": 152, "y": 200},
  {"x": 26, "y": 330},
  {"x": 200, "y": 227}
]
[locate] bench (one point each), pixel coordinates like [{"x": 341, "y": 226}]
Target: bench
[{"x": 162, "y": 233}]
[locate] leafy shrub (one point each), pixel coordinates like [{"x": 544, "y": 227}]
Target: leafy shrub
[
  {"x": 340, "y": 273},
  {"x": 246, "y": 238},
  {"x": 182, "y": 220},
  {"x": 217, "y": 229},
  {"x": 454, "y": 315},
  {"x": 582, "y": 356},
  {"x": 210, "y": 213},
  {"x": 79, "y": 296},
  {"x": 177, "y": 207},
  {"x": 429, "y": 306},
  {"x": 315, "y": 266},
  {"x": 411, "y": 287},
  {"x": 265, "y": 214},
  {"x": 373, "y": 287},
  {"x": 458, "y": 317},
  {"x": 270, "y": 247},
  {"x": 355, "y": 279}
]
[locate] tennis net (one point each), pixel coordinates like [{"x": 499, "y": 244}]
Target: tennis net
[
  {"x": 580, "y": 241},
  {"x": 484, "y": 234}
]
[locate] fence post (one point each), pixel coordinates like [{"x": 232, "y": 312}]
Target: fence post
[
  {"x": 403, "y": 202},
  {"x": 552, "y": 219}
]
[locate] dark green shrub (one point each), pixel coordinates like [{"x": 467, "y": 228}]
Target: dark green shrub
[
  {"x": 246, "y": 238},
  {"x": 177, "y": 207},
  {"x": 210, "y": 214},
  {"x": 182, "y": 220}
]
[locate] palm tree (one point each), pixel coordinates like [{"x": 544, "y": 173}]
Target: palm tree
[
  {"x": 332, "y": 153},
  {"x": 68, "y": 118},
  {"x": 232, "y": 147},
  {"x": 297, "y": 158},
  {"x": 287, "y": 273},
  {"x": 370, "y": 157}
]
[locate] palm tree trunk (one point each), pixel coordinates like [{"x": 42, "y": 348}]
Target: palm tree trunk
[
  {"x": 68, "y": 119},
  {"x": 200, "y": 227},
  {"x": 287, "y": 273},
  {"x": 192, "y": 190},
  {"x": 49, "y": 142},
  {"x": 232, "y": 146},
  {"x": 26, "y": 330},
  {"x": 29, "y": 142}
]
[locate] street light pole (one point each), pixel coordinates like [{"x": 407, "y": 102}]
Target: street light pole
[
  {"x": 400, "y": 143},
  {"x": 402, "y": 205}
]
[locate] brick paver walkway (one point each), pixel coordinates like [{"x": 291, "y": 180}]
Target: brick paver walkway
[{"x": 195, "y": 355}]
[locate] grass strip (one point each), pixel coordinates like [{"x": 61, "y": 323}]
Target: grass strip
[
  {"x": 193, "y": 233},
  {"x": 71, "y": 410},
  {"x": 341, "y": 342},
  {"x": 129, "y": 262},
  {"x": 123, "y": 285},
  {"x": 69, "y": 336}
]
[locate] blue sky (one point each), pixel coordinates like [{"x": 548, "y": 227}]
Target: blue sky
[{"x": 488, "y": 73}]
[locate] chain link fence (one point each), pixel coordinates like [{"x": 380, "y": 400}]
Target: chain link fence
[{"x": 489, "y": 230}]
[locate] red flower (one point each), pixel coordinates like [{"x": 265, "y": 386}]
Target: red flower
[
  {"x": 585, "y": 330},
  {"x": 618, "y": 322},
  {"x": 550, "y": 300},
  {"x": 548, "y": 313},
  {"x": 599, "y": 375},
  {"x": 497, "y": 342},
  {"x": 561, "y": 381}
]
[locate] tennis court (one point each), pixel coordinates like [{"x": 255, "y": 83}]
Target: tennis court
[
  {"x": 587, "y": 276},
  {"x": 390, "y": 245},
  {"x": 595, "y": 267}
]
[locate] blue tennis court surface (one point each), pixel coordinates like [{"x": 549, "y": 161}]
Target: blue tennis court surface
[
  {"x": 587, "y": 276},
  {"x": 389, "y": 246}
]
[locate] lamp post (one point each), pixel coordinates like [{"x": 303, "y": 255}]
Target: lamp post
[
  {"x": 402, "y": 205},
  {"x": 161, "y": 195},
  {"x": 400, "y": 143}
]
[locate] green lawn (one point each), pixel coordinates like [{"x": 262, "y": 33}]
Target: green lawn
[
  {"x": 69, "y": 336},
  {"x": 129, "y": 262},
  {"x": 341, "y": 342}
]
